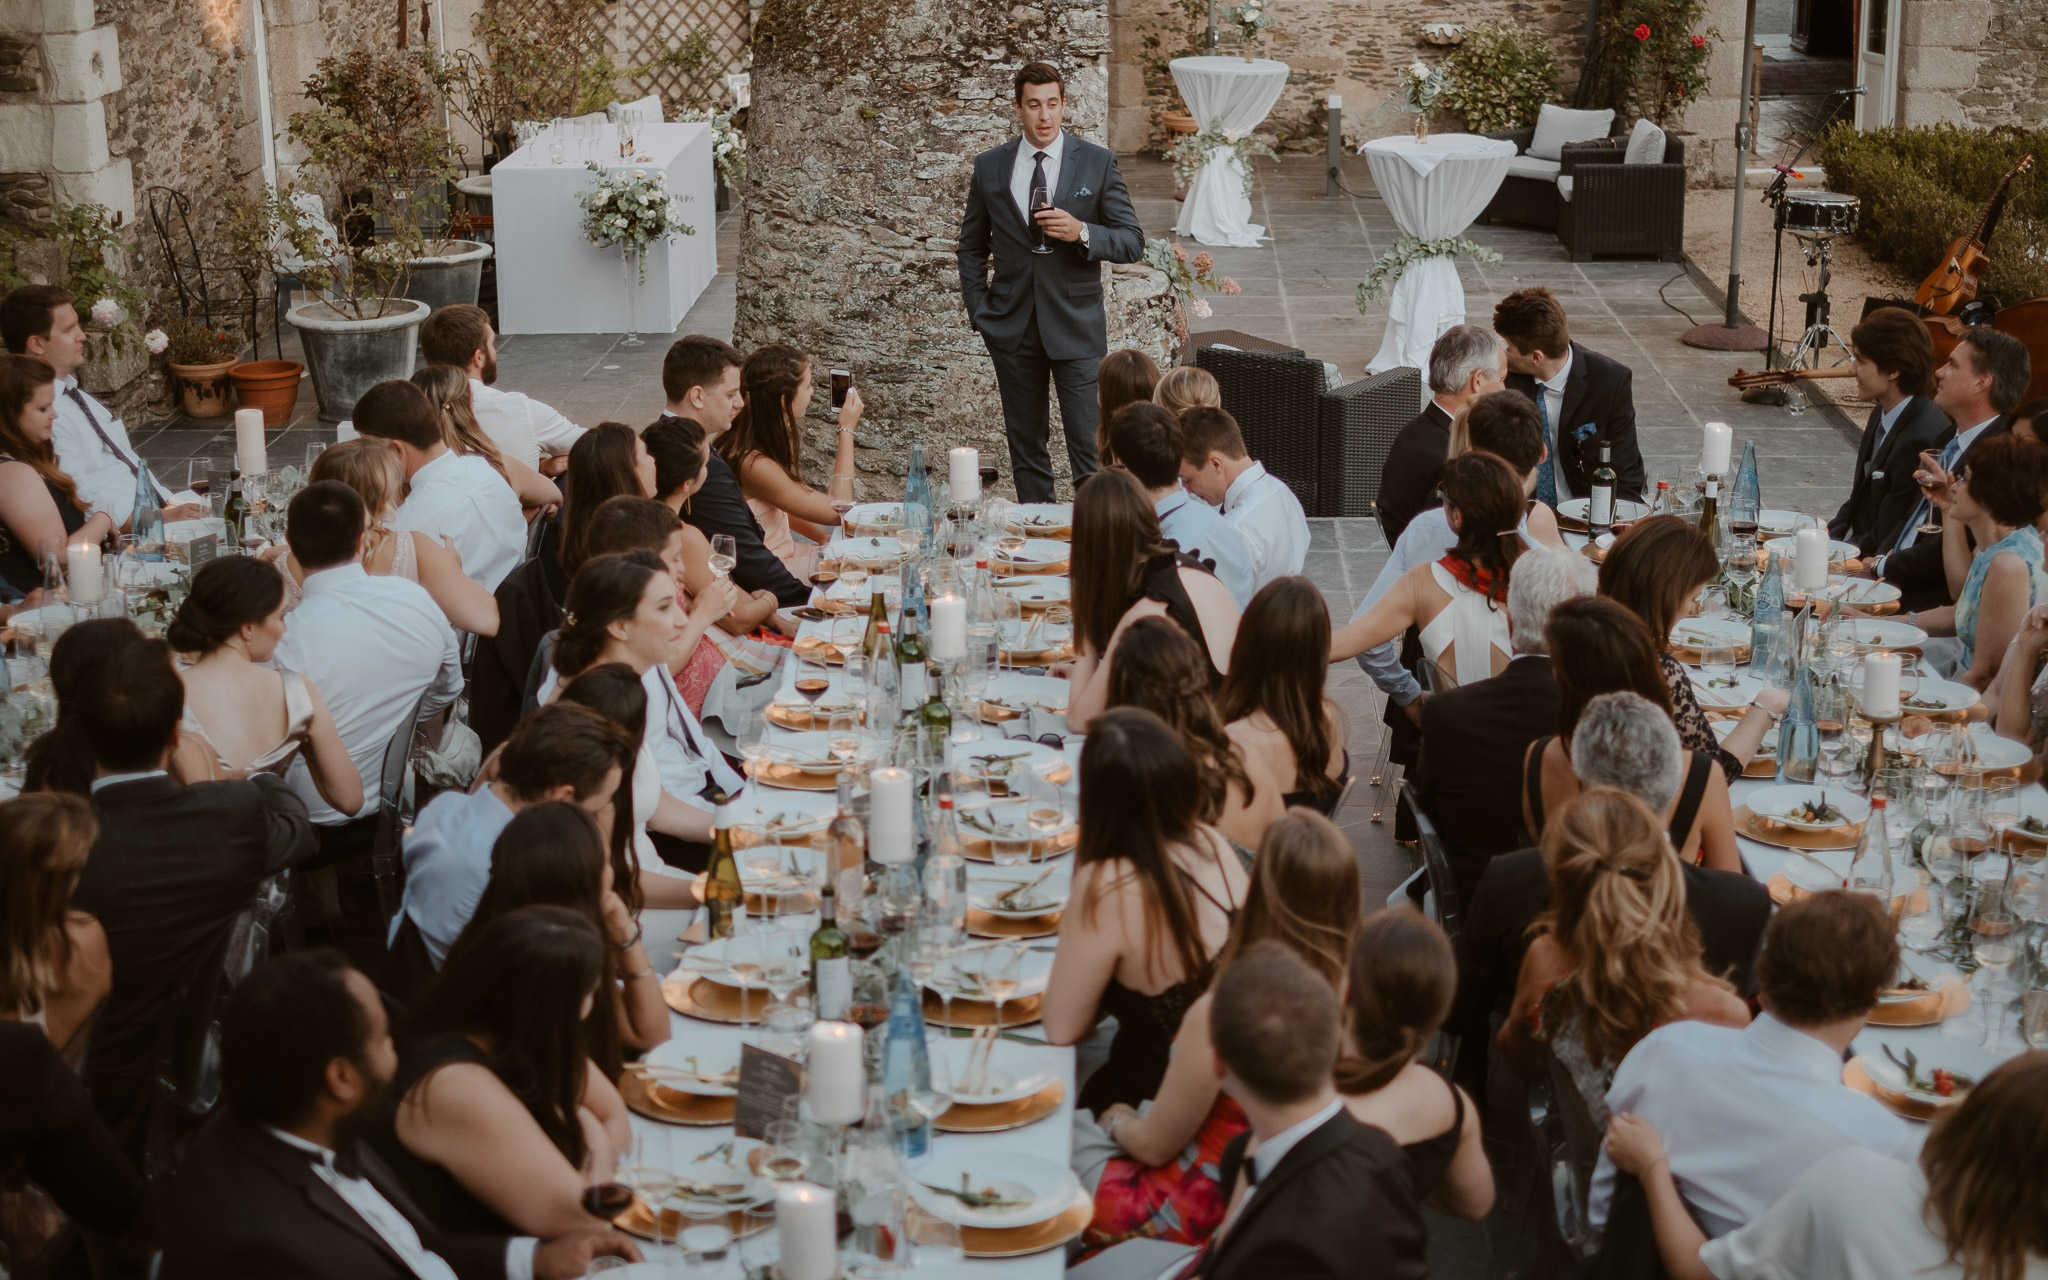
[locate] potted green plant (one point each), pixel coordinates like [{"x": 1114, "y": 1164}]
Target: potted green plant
[
  {"x": 199, "y": 357},
  {"x": 80, "y": 247}
]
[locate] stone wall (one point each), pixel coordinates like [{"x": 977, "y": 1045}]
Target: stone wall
[
  {"x": 1980, "y": 62},
  {"x": 867, "y": 117},
  {"x": 1352, "y": 47}
]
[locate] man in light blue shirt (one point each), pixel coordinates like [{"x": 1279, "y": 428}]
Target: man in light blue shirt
[
  {"x": 1146, "y": 439},
  {"x": 561, "y": 752}
]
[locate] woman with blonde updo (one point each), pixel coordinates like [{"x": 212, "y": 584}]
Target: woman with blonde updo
[
  {"x": 1616, "y": 955},
  {"x": 1184, "y": 387}
]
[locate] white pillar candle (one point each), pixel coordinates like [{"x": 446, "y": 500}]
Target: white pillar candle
[
  {"x": 88, "y": 584},
  {"x": 1717, "y": 448},
  {"x": 1810, "y": 559},
  {"x": 835, "y": 1072},
  {"x": 249, "y": 452},
  {"x": 963, "y": 472},
  {"x": 1880, "y": 686},
  {"x": 889, "y": 831},
  {"x": 949, "y": 628},
  {"x": 806, "y": 1232}
]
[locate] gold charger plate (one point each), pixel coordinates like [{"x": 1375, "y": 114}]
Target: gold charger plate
[
  {"x": 1761, "y": 767},
  {"x": 1749, "y": 824},
  {"x": 1690, "y": 654},
  {"x": 700, "y": 997},
  {"x": 818, "y": 651},
  {"x": 1784, "y": 892},
  {"x": 982, "y": 1013},
  {"x": 984, "y": 925},
  {"x": 1014, "y": 569},
  {"x": 1935, "y": 1006},
  {"x": 791, "y": 778},
  {"x": 1038, "y": 657},
  {"x": 1015, "y": 1242},
  {"x": 977, "y": 849},
  {"x": 807, "y": 718},
  {"x": 991, "y": 713},
  {"x": 963, "y": 781},
  {"x": 671, "y": 1106},
  {"x": 994, "y": 1117},
  {"x": 639, "y": 1221}
]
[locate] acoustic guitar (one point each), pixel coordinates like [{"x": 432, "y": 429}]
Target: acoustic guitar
[{"x": 1954, "y": 282}]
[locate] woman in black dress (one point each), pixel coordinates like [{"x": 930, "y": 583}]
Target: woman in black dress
[{"x": 39, "y": 506}]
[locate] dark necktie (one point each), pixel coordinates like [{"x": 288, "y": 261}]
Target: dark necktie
[
  {"x": 85, "y": 407},
  {"x": 1038, "y": 191}
]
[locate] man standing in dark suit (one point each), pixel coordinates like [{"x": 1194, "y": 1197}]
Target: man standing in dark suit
[
  {"x": 1048, "y": 209},
  {"x": 1981, "y": 382},
  {"x": 1586, "y": 399},
  {"x": 1467, "y": 362},
  {"x": 1894, "y": 364},
  {"x": 279, "y": 1183},
  {"x": 1474, "y": 736},
  {"x": 700, "y": 377},
  {"x": 173, "y": 868},
  {"x": 1323, "y": 1195}
]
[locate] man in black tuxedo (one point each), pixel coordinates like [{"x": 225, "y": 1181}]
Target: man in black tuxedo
[
  {"x": 172, "y": 869},
  {"x": 700, "y": 377},
  {"x": 1474, "y": 736},
  {"x": 1626, "y": 742},
  {"x": 1586, "y": 399},
  {"x": 1041, "y": 315},
  {"x": 1980, "y": 383},
  {"x": 1467, "y": 362},
  {"x": 1323, "y": 1195},
  {"x": 1894, "y": 364},
  {"x": 50, "y": 1134},
  {"x": 279, "y": 1182}
]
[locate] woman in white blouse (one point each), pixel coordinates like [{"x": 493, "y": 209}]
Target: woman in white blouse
[{"x": 1974, "y": 1208}]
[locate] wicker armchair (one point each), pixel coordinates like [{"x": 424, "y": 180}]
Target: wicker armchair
[
  {"x": 1606, "y": 206},
  {"x": 1529, "y": 202},
  {"x": 1360, "y": 421},
  {"x": 1276, "y": 401}
]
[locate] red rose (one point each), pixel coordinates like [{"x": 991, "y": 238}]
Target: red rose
[
  {"x": 1643, "y": 32},
  {"x": 1699, "y": 42}
]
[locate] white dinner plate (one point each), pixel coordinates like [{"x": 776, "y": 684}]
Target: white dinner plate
[
  {"x": 1034, "y": 968},
  {"x": 1873, "y": 634},
  {"x": 714, "y": 960},
  {"x": 1860, "y": 593},
  {"x": 983, "y": 889},
  {"x": 1695, "y": 633},
  {"x": 1038, "y": 589},
  {"x": 969, "y": 757},
  {"x": 696, "y": 1055},
  {"x": 1819, "y": 872},
  {"x": 1775, "y": 523},
  {"x": 1933, "y": 973},
  {"x": 798, "y": 812},
  {"x": 808, "y": 751},
  {"x": 1734, "y": 697},
  {"x": 1580, "y": 509},
  {"x": 1957, "y": 1056},
  {"x": 1018, "y": 691},
  {"x": 1010, "y": 1071},
  {"x": 1936, "y": 696},
  {"x": 1043, "y": 1188},
  {"x": 1040, "y": 519},
  {"x": 1838, "y": 550},
  {"x": 778, "y": 869},
  {"x": 1993, "y": 752},
  {"x": 1777, "y": 803},
  {"x": 1037, "y": 551},
  {"x": 873, "y": 552},
  {"x": 876, "y": 515}
]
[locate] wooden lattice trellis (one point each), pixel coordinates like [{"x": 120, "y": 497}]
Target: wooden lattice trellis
[{"x": 683, "y": 48}]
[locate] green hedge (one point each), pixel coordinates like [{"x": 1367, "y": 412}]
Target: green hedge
[{"x": 1922, "y": 187}]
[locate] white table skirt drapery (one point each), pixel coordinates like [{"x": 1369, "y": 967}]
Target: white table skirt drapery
[
  {"x": 1433, "y": 189},
  {"x": 1227, "y": 93}
]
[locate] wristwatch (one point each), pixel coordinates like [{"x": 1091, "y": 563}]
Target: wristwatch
[{"x": 1084, "y": 235}]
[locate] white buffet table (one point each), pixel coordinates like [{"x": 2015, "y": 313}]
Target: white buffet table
[
  {"x": 1433, "y": 189},
  {"x": 1226, "y": 93},
  {"x": 552, "y": 280}
]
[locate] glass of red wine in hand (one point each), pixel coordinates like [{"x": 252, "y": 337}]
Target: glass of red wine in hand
[{"x": 1040, "y": 201}]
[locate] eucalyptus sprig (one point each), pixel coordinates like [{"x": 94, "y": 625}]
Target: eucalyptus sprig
[{"x": 1408, "y": 250}]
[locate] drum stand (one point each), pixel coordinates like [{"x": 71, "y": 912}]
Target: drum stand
[{"x": 1819, "y": 253}]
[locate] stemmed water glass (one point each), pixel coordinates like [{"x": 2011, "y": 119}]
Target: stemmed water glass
[
  {"x": 724, "y": 554},
  {"x": 1995, "y": 948},
  {"x": 650, "y": 1171},
  {"x": 1000, "y": 977},
  {"x": 781, "y": 968},
  {"x": 935, "y": 955}
]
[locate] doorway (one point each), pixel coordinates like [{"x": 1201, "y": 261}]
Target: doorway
[{"x": 1877, "y": 63}]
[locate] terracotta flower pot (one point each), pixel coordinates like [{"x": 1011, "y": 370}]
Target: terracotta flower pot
[
  {"x": 269, "y": 385},
  {"x": 203, "y": 389}
]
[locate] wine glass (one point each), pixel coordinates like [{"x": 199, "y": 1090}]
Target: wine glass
[
  {"x": 604, "y": 1196},
  {"x": 841, "y": 492},
  {"x": 1831, "y": 719},
  {"x": 1717, "y": 662},
  {"x": 781, "y": 968},
  {"x": 938, "y": 947},
  {"x": 650, "y": 1171},
  {"x": 1040, "y": 200},
  {"x": 2001, "y": 807},
  {"x": 724, "y": 554},
  {"x": 198, "y": 471},
  {"x": 854, "y": 575},
  {"x": 842, "y": 735},
  {"x": 1996, "y": 949},
  {"x": 1000, "y": 974},
  {"x": 752, "y": 740},
  {"x": 785, "y": 1155},
  {"x": 812, "y": 680}
]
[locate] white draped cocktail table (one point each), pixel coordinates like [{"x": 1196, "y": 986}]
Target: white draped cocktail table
[
  {"x": 1433, "y": 189},
  {"x": 1225, "y": 93}
]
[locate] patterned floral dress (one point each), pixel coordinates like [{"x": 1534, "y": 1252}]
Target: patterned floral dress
[{"x": 1181, "y": 1201}]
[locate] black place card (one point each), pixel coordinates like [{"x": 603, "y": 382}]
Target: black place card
[
  {"x": 767, "y": 1082},
  {"x": 201, "y": 549}
]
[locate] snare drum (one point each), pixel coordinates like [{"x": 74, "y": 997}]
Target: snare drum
[{"x": 1819, "y": 213}]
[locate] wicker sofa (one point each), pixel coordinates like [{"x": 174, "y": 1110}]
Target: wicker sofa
[{"x": 1605, "y": 206}]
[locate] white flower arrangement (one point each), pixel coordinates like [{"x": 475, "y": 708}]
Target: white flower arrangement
[
  {"x": 728, "y": 144},
  {"x": 1249, "y": 18},
  {"x": 632, "y": 208},
  {"x": 157, "y": 341},
  {"x": 1418, "y": 87},
  {"x": 1194, "y": 151},
  {"x": 106, "y": 313}
]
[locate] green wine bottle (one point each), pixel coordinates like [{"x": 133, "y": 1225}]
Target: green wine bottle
[
  {"x": 722, "y": 893},
  {"x": 913, "y": 685},
  {"x": 935, "y": 720},
  {"x": 831, "y": 962}
]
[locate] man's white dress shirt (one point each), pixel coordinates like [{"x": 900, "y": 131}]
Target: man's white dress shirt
[
  {"x": 1260, "y": 508},
  {"x": 1020, "y": 173},
  {"x": 519, "y": 425},
  {"x": 684, "y": 755},
  {"x": 372, "y": 646},
  {"x": 1552, "y": 391},
  {"x": 462, "y": 498},
  {"x": 1950, "y": 454},
  {"x": 1742, "y": 1113},
  {"x": 393, "y": 1227},
  {"x": 1199, "y": 530},
  {"x": 101, "y": 464},
  {"x": 447, "y": 865}
]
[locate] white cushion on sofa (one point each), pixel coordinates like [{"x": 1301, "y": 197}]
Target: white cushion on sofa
[
  {"x": 1556, "y": 126},
  {"x": 1531, "y": 167},
  {"x": 1645, "y": 144},
  {"x": 1564, "y": 188}
]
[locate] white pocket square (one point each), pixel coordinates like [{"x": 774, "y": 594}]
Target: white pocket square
[{"x": 1083, "y": 191}]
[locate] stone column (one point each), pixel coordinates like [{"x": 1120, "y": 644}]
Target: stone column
[
  {"x": 866, "y": 119},
  {"x": 56, "y": 69}
]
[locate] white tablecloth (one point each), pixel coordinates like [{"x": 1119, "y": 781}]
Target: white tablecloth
[
  {"x": 1433, "y": 189},
  {"x": 1229, "y": 93},
  {"x": 552, "y": 280}
]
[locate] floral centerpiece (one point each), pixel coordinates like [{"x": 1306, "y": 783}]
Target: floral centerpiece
[
  {"x": 1387, "y": 271},
  {"x": 1417, "y": 89},
  {"x": 1191, "y": 154},
  {"x": 632, "y": 208},
  {"x": 1250, "y": 20},
  {"x": 1188, "y": 276},
  {"x": 728, "y": 144}
]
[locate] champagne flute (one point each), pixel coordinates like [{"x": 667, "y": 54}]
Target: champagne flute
[{"x": 724, "y": 554}]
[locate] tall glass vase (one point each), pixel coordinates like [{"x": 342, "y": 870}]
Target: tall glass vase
[{"x": 629, "y": 262}]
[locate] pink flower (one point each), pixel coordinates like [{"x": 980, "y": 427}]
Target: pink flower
[
  {"x": 1202, "y": 264},
  {"x": 1202, "y": 309},
  {"x": 1699, "y": 42},
  {"x": 1643, "y": 32},
  {"x": 1231, "y": 288},
  {"x": 1179, "y": 254}
]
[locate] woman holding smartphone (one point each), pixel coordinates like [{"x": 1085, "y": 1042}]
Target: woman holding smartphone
[{"x": 765, "y": 450}]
